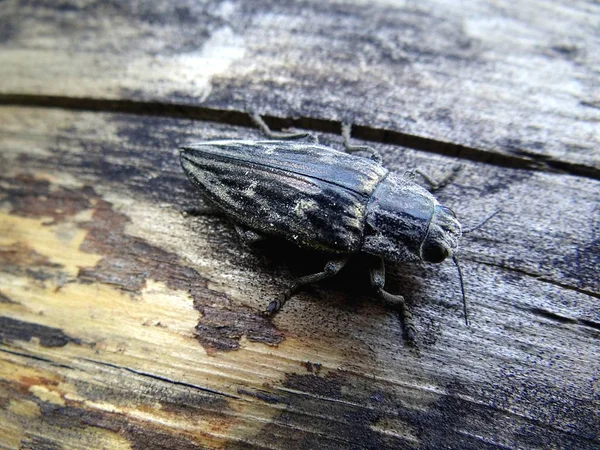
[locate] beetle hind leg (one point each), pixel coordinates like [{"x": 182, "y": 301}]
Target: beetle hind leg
[
  {"x": 397, "y": 301},
  {"x": 205, "y": 210},
  {"x": 260, "y": 123},
  {"x": 248, "y": 236},
  {"x": 331, "y": 268},
  {"x": 373, "y": 154}
]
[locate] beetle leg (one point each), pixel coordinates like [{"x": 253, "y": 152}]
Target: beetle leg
[
  {"x": 331, "y": 268},
  {"x": 205, "y": 210},
  {"x": 260, "y": 123},
  {"x": 373, "y": 154},
  {"x": 433, "y": 184},
  {"x": 248, "y": 236},
  {"x": 378, "y": 281}
]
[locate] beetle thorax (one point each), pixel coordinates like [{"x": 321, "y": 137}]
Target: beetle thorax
[{"x": 398, "y": 217}]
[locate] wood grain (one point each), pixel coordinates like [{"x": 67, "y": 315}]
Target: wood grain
[
  {"x": 480, "y": 76},
  {"x": 125, "y": 324}
]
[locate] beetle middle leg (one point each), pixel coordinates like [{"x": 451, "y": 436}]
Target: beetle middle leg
[
  {"x": 373, "y": 154},
  {"x": 331, "y": 268},
  {"x": 435, "y": 185},
  {"x": 397, "y": 301}
]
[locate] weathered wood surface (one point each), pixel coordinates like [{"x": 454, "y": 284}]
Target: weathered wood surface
[
  {"x": 521, "y": 81},
  {"x": 124, "y": 324}
]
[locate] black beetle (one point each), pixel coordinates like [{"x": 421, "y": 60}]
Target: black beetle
[{"x": 326, "y": 200}]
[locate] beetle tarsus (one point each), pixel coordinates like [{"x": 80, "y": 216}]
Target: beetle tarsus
[
  {"x": 259, "y": 121},
  {"x": 275, "y": 305},
  {"x": 406, "y": 317},
  {"x": 373, "y": 154},
  {"x": 331, "y": 268},
  {"x": 272, "y": 309}
]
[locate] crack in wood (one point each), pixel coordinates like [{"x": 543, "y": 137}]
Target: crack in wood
[
  {"x": 161, "y": 378},
  {"x": 538, "y": 277},
  {"x": 514, "y": 158},
  {"x": 564, "y": 319},
  {"x": 36, "y": 358}
]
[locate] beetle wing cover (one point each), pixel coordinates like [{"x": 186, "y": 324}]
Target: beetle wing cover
[{"x": 307, "y": 193}]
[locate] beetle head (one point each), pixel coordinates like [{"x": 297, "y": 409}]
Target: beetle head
[{"x": 442, "y": 236}]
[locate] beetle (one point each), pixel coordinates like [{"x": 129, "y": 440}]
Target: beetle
[{"x": 327, "y": 200}]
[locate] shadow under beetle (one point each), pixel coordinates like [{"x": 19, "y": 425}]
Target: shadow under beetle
[{"x": 323, "y": 199}]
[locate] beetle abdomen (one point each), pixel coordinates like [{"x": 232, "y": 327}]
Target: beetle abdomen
[{"x": 309, "y": 194}]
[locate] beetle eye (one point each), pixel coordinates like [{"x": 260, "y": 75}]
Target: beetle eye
[{"x": 434, "y": 252}]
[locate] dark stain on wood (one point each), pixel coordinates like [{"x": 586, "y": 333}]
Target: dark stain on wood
[
  {"x": 74, "y": 414},
  {"x": 31, "y": 197},
  {"x": 262, "y": 395},
  {"x": 327, "y": 386},
  {"x": 39, "y": 443},
  {"x": 126, "y": 270},
  {"x": 8, "y": 29},
  {"x": 313, "y": 367},
  {"x": 222, "y": 328},
  {"x": 570, "y": 422},
  {"x": 19, "y": 255},
  {"x": 18, "y": 330},
  {"x": 340, "y": 416},
  {"x": 20, "y": 259},
  {"x": 441, "y": 424},
  {"x": 219, "y": 328},
  {"x": 140, "y": 436},
  {"x": 7, "y": 300},
  {"x": 584, "y": 264},
  {"x": 567, "y": 51}
]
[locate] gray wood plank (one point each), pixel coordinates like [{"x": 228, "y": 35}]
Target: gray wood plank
[{"x": 487, "y": 75}]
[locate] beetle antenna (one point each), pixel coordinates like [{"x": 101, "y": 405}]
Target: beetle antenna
[
  {"x": 480, "y": 224},
  {"x": 462, "y": 288}
]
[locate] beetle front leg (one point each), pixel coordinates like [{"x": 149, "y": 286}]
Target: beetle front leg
[
  {"x": 397, "y": 301},
  {"x": 331, "y": 268}
]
